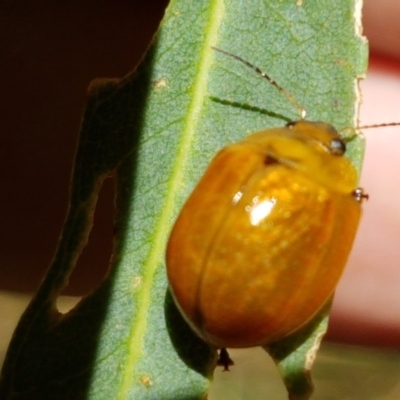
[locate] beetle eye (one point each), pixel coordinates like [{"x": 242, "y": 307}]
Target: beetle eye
[
  {"x": 337, "y": 147},
  {"x": 291, "y": 124}
]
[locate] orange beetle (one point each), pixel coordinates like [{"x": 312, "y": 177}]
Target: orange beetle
[{"x": 262, "y": 241}]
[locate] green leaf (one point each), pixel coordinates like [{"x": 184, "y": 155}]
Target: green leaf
[
  {"x": 154, "y": 131},
  {"x": 295, "y": 355}
]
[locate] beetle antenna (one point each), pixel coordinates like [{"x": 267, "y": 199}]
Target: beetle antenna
[
  {"x": 291, "y": 99},
  {"x": 384, "y": 125}
]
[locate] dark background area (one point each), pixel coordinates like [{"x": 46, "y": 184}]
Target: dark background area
[{"x": 50, "y": 51}]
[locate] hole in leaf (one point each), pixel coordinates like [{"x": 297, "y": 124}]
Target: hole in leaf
[{"x": 92, "y": 265}]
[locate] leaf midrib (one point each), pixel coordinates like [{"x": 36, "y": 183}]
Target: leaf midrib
[{"x": 191, "y": 120}]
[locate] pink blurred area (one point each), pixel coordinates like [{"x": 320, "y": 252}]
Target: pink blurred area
[{"x": 366, "y": 309}]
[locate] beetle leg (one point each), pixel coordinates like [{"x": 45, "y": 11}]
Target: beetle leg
[{"x": 224, "y": 360}]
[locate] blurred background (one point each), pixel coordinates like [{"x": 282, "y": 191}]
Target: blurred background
[{"x": 50, "y": 53}]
